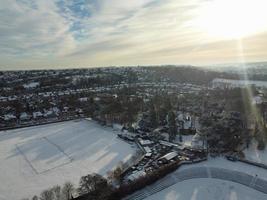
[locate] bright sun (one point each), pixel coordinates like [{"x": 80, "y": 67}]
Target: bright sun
[{"x": 232, "y": 19}]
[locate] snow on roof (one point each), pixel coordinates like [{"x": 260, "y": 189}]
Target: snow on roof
[
  {"x": 169, "y": 144},
  {"x": 148, "y": 154},
  {"x": 145, "y": 142},
  {"x": 37, "y": 114},
  {"x": 147, "y": 149},
  {"x": 12, "y": 98},
  {"x": 49, "y": 112},
  {"x": 83, "y": 99},
  {"x": 24, "y": 115},
  {"x": 170, "y": 155},
  {"x": 56, "y": 109},
  {"x": 31, "y": 85},
  {"x": 136, "y": 175},
  {"x": 3, "y": 98},
  {"x": 9, "y": 117},
  {"x": 65, "y": 108}
]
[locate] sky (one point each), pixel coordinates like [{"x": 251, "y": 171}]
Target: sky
[{"x": 44, "y": 34}]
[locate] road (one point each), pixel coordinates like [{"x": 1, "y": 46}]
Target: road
[{"x": 253, "y": 182}]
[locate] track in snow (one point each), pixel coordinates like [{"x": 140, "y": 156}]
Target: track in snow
[{"x": 45, "y": 161}]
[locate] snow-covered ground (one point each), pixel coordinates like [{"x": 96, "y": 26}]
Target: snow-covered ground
[
  {"x": 190, "y": 141},
  {"x": 187, "y": 139},
  {"x": 208, "y": 189},
  {"x": 221, "y": 162},
  {"x": 253, "y": 154},
  {"x": 36, "y": 158},
  {"x": 186, "y": 182},
  {"x": 217, "y": 82}
]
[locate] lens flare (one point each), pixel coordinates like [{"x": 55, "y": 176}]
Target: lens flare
[{"x": 232, "y": 19}]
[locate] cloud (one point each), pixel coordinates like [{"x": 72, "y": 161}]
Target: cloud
[
  {"x": 107, "y": 32},
  {"x": 32, "y": 29}
]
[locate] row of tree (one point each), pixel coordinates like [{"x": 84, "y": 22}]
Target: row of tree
[{"x": 56, "y": 193}]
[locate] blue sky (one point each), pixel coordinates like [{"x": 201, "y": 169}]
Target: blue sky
[{"x": 85, "y": 33}]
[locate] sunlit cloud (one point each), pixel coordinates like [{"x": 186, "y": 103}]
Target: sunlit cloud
[{"x": 60, "y": 33}]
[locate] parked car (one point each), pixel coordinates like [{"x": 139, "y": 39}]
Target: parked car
[{"x": 231, "y": 158}]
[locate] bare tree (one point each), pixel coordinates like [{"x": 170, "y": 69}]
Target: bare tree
[
  {"x": 47, "y": 195},
  {"x": 115, "y": 175},
  {"x": 57, "y": 192},
  {"x": 35, "y": 198},
  {"x": 67, "y": 191},
  {"x": 91, "y": 183}
]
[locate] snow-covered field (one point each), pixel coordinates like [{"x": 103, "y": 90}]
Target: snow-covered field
[
  {"x": 36, "y": 158},
  {"x": 238, "y": 83},
  {"x": 216, "y": 178},
  {"x": 221, "y": 162},
  {"x": 208, "y": 189},
  {"x": 253, "y": 154}
]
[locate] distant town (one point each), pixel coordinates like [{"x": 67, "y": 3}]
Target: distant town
[{"x": 169, "y": 116}]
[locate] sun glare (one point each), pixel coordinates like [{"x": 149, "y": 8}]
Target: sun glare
[{"x": 232, "y": 19}]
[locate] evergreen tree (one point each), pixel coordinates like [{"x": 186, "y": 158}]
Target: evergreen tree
[
  {"x": 153, "y": 117},
  {"x": 172, "y": 126}
]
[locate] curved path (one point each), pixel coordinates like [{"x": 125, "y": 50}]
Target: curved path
[{"x": 253, "y": 182}]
